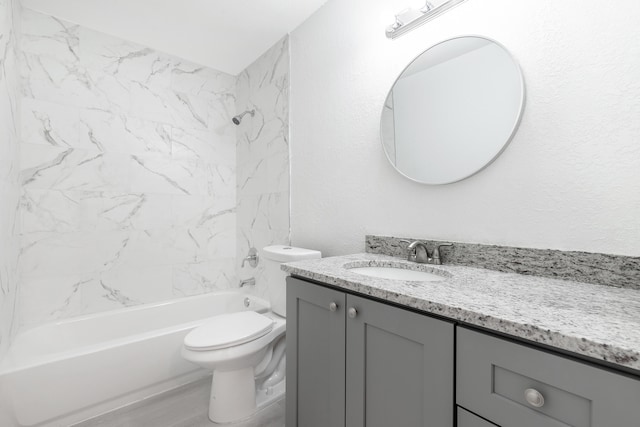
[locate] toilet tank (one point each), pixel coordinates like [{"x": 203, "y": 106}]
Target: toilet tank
[{"x": 273, "y": 256}]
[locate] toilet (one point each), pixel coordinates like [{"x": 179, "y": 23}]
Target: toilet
[{"x": 246, "y": 350}]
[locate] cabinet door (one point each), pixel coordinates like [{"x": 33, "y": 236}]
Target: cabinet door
[
  {"x": 315, "y": 355},
  {"x": 399, "y": 367}
]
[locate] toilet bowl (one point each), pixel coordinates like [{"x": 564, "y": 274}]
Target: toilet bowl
[
  {"x": 245, "y": 350},
  {"x": 233, "y": 346}
]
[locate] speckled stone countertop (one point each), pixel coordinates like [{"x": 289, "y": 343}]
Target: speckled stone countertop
[{"x": 599, "y": 322}]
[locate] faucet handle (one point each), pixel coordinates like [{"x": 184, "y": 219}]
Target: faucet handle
[
  {"x": 252, "y": 257},
  {"x": 436, "y": 253}
]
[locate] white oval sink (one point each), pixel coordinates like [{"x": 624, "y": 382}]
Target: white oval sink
[{"x": 398, "y": 274}]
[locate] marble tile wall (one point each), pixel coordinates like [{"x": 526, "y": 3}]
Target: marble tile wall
[
  {"x": 263, "y": 157},
  {"x": 128, "y": 173},
  {"x": 9, "y": 166}
]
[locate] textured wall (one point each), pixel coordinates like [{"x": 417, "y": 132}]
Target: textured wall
[
  {"x": 128, "y": 173},
  {"x": 569, "y": 180},
  {"x": 263, "y": 157},
  {"x": 9, "y": 167}
]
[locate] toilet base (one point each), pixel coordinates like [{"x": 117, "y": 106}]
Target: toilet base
[{"x": 234, "y": 396}]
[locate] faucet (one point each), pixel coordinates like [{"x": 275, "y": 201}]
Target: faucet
[
  {"x": 248, "y": 282},
  {"x": 417, "y": 251}
]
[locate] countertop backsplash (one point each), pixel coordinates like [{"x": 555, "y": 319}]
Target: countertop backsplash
[{"x": 601, "y": 269}]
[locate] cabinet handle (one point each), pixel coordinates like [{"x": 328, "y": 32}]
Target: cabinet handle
[
  {"x": 534, "y": 397},
  {"x": 333, "y": 306},
  {"x": 353, "y": 312}
]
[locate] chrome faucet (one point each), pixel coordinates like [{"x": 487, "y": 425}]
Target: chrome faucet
[
  {"x": 248, "y": 282},
  {"x": 417, "y": 251}
]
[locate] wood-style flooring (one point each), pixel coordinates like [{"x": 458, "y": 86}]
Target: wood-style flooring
[{"x": 186, "y": 406}]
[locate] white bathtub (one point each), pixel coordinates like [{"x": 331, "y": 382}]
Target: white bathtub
[{"x": 61, "y": 373}]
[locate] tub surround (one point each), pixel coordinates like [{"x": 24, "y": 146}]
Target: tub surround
[
  {"x": 599, "y": 322},
  {"x": 128, "y": 174},
  {"x": 9, "y": 167},
  {"x": 600, "y": 269},
  {"x": 263, "y": 158},
  {"x": 136, "y": 186}
]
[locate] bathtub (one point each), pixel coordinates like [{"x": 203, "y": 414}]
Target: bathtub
[{"x": 65, "y": 372}]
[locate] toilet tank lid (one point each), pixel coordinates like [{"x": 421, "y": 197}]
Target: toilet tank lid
[{"x": 283, "y": 253}]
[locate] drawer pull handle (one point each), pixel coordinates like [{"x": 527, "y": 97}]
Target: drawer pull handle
[
  {"x": 534, "y": 397},
  {"x": 352, "y": 313},
  {"x": 333, "y": 306}
]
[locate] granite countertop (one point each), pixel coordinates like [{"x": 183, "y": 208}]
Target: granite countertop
[{"x": 601, "y": 322}]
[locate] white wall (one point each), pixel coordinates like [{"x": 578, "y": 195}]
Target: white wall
[
  {"x": 569, "y": 180},
  {"x": 224, "y": 35},
  {"x": 9, "y": 167}
]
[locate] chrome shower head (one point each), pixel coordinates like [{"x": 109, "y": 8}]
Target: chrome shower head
[{"x": 237, "y": 119}]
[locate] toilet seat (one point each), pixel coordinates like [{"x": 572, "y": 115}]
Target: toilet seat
[{"x": 228, "y": 330}]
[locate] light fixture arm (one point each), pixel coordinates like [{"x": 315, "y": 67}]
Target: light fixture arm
[{"x": 409, "y": 19}]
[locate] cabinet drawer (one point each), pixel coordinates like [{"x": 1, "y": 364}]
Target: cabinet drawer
[
  {"x": 517, "y": 386},
  {"x": 467, "y": 419}
]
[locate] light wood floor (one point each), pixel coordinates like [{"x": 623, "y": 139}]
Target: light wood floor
[{"x": 186, "y": 406}]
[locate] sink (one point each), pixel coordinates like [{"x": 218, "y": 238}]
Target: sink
[{"x": 397, "y": 272}]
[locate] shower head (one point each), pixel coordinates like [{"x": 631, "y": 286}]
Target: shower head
[{"x": 237, "y": 119}]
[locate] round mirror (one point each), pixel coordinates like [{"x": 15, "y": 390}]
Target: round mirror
[{"x": 452, "y": 110}]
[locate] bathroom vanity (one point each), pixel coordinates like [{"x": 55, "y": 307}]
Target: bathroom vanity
[{"x": 478, "y": 348}]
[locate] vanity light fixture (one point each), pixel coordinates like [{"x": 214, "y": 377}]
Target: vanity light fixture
[{"x": 410, "y": 18}]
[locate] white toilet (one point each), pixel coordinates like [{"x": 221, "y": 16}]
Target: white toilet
[{"x": 245, "y": 350}]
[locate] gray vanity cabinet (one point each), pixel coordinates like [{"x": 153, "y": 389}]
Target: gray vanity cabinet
[
  {"x": 467, "y": 419},
  {"x": 515, "y": 385},
  {"x": 354, "y": 362}
]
